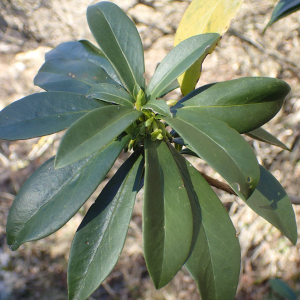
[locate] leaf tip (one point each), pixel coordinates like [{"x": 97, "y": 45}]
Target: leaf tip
[
  {"x": 268, "y": 25},
  {"x": 293, "y": 238},
  {"x": 294, "y": 241},
  {"x": 13, "y": 246},
  {"x": 58, "y": 164}
]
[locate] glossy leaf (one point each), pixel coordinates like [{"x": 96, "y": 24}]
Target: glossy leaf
[
  {"x": 111, "y": 93},
  {"x": 282, "y": 289},
  {"x": 167, "y": 215},
  {"x": 283, "y": 9},
  {"x": 244, "y": 104},
  {"x": 158, "y": 106},
  {"x": 203, "y": 16},
  {"x": 221, "y": 147},
  {"x": 179, "y": 141},
  {"x": 59, "y": 74},
  {"x": 271, "y": 202},
  {"x": 188, "y": 151},
  {"x": 50, "y": 197},
  {"x": 100, "y": 237},
  {"x": 214, "y": 261},
  {"x": 117, "y": 36},
  {"x": 83, "y": 50},
  {"x": 169, "y": 88},
  {"x": 180, "y": 59},
  {"x": 92, "y": 132},
  {"x": 43, "y": 113},
  {"x": 264, "y": 136}
]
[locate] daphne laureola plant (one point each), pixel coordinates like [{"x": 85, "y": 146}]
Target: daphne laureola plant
[{"x": 100, "y": 95}]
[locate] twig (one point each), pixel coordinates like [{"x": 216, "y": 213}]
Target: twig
[
  {"x": 226, "y": 188},
  {"x": 295, "y": 200},
  {"x": 289, "y": 64},
  {"x": 218, "y": 184},
  {"x": 7, "y": 196}
]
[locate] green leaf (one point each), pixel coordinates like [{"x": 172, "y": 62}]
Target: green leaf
[
  {"x": 214, "y": 261},
  {"x": 43, "y": 113},
  {"x": 271, "y": 202},
  {"x": 264, "y": 136},
  {"x": 188, "y": 151},
  {"x": 221, "y": 147},
  {"x": 282, "y": 289},
  {"x": 244, "y": 104},
  {"x": 83, "y": 50},
  {"x": 158, "y": 106},
  {"x": 50, "y": 197},
  {"x": 93, "y": 132},
  {"x": 283, "y": 9},
  {"x": 111, "y": 93},
  {"x": 180, "y": 59},
  {"x": 100, "y": 237},
  {"x": 59, "y": 74},
  {"x": 179, "y": 141},
  {"x": 120, "y": 42},
  {"x": 167, "y": 215},
  {"x": 203, "y": 16},
  {"x": 169, "y": 88}
]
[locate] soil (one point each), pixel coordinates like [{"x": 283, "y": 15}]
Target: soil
[{"x": 29, "y": 29}]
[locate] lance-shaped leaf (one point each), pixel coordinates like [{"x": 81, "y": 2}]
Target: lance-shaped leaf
[
  {"x": 167, "y": 215},
  {"x": 203, "y": 16},
  {"x": 179, "y": 141},
  {"x": 214, "y": 261},
  {"x": 59, "y": 74},
  {"x": 180, "y": 59},
  {"x": 83, "y": 50},
  {"x": 172, "y": 86},
  {"x": 169, "y": 88},
  {"x": 50, "y": 197},
  {"x": 264, "y": 136},
  {"x": 244, "y": 104},
  {"x": 93, "y": 132},
  {"x": 111, "y": 93},
  {"x": 188, "y": 151},
  {"x": 117, "y": 36},
  {"x": 43, "y": 113},
  {"x": 223, "y": 148},
  {"x": 271, "y": 202},
  {"x": 158, "y": 106},
  {"x": 283, "y": 9},
  {"x": 100, "y": 237},
  {"x": 282, "y": 289}
]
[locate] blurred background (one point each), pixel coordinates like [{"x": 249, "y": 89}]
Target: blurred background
[{"x": 30, "y": 28}]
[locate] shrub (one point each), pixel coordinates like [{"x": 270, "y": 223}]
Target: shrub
[{"x": 100, "y": 95}]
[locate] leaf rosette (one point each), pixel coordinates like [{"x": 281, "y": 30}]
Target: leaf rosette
[{"x": 99, "y": 95}]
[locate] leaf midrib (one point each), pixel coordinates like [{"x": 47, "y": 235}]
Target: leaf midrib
[
  {"x": 164, "y": 231},
  {"x": 208, "y": 18},
  {"x": 171, "y": 70},
  {"x": 221, "y": 106},
  {"x": 62, "y": 187},
  {"x": 102, "y": 129},
  {"x": 213, "y": 141},
  {"x": 187, "y": 184},
  {"x": 52, "y": 116},
  {"x": 114, "y": 95},
  {"x": 117, "y": 71},
  {"x": 105, "y": 231}
]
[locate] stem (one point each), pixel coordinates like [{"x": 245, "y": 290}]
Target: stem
[{"x": 226, "y": 188}]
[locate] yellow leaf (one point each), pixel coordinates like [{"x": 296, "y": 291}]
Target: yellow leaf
[{"x": 203, "y": 16}]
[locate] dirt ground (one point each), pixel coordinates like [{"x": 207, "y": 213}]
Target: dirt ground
[{"x": 29, "y": 29}]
